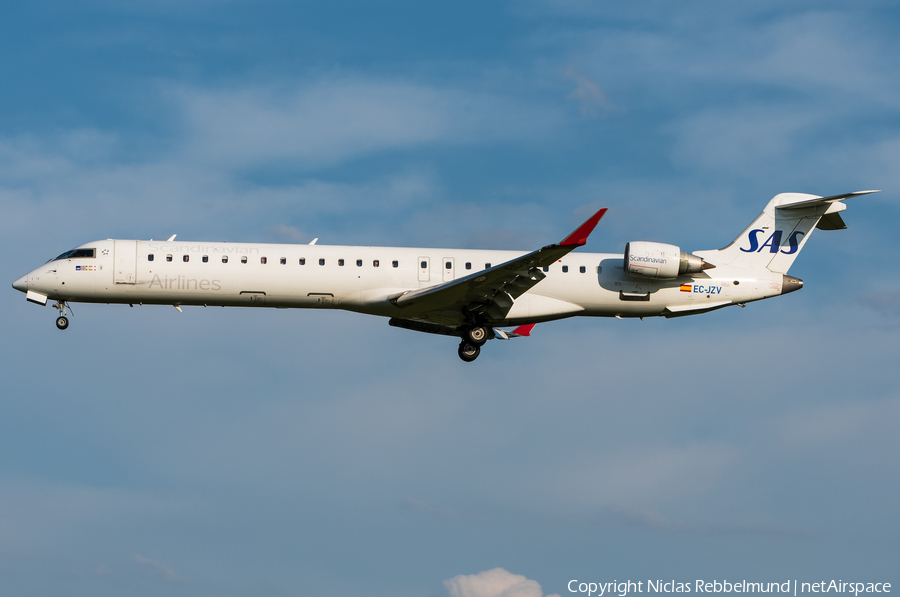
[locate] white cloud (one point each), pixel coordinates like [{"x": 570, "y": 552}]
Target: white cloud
[
  {"x": 642, "y": 476},
  {"x": 328, "y": 121},
  {"x": 494, "y": 583},
  {"x": 654, "y": 521},
  {"x": 165, "y": 571},
  {"x": 737, "y": 137},
  {"x": 587, "y": 92},
  {"x": 851, "y": 422},
  {"x": 57, "y": 183},
  {"x": 800, "y": 51},
  {"x": 32, "y": 511},
  {"x": 289, "y": 234}
]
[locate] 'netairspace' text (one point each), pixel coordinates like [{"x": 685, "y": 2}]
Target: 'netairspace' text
[{"x": 623, "y": 588}]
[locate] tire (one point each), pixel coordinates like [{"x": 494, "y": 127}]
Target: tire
[
  {"x": 468, "y": 351},
  {"x": 62, "y": 322},
  {"x": 477, "y": 335}
]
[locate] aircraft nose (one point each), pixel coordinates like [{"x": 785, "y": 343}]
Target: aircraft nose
[{"x": 21, "y": 284}]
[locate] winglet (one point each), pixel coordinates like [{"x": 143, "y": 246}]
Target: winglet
[{"x": 580, "y": 236}]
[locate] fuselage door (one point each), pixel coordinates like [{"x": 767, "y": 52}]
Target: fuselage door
[
  {"x": 448, "y": 268},
  {"x": 424, "y": 264},
  {"x": 125, "y": 256}
]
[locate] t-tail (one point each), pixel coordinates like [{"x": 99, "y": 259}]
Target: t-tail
[{"x": 776, "y": 237}]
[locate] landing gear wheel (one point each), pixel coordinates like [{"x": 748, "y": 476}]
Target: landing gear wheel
[
  {"x": 477, "y": 335},
  {"x": 468, "y": 351},
  {"x": 62, "y": 322}
]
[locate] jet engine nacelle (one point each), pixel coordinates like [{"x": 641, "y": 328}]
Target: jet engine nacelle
[{"x": 661, "y": 261}]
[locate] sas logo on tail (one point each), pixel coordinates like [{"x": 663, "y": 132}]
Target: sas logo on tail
[{"x": 773, "y": 242}]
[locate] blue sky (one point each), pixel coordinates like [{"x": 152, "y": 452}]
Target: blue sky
[{"x": 233, "y": 452}]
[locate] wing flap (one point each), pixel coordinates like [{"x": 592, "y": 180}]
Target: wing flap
[{"x": 492, "y": 291}]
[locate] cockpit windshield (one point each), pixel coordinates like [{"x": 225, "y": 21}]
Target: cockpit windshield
[{"x": 76, "y": 253}]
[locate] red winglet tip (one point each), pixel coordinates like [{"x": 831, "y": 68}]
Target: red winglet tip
[
  {"x": 524, "y": 330},
  {"x": 580, "y": 236}
]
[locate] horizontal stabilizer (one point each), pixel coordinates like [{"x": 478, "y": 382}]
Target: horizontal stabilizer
[{"x": 802, "y": 200}]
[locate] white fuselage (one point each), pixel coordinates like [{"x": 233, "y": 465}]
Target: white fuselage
[{"x": 363, "y": 279}]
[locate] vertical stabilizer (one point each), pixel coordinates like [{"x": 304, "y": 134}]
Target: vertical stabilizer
[{"x": 775, "y": 238}]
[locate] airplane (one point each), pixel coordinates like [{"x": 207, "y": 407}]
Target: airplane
[{"x": 469, "y": 294}]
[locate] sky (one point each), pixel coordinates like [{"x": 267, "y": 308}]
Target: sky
[{"x": 237, "y": 452}]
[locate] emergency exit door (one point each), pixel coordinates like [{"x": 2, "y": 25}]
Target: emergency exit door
[
  {"x": 125, "y": 261},
  {"x": 424, "y": 269}
]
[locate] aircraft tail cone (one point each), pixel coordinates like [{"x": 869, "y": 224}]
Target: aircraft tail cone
[{"x": 790, "y": 284}]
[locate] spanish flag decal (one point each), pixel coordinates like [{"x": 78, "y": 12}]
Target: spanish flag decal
[{"x": 686, "y": 288}]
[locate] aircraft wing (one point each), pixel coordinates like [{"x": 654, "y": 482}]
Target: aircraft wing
[{"x": 491, "y": 292}]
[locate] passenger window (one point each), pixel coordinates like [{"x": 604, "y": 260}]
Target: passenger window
[
  {"x": 340, "y": 262},
  {"x": 565, "y": 268},
  {"x": 582, "y": 269},
  {"x": 395, "y": 263},
  {"x": 321, "y": 262},
  {"x": 448, "y": 265},
  {"x": 262, "y": 260},
  {"x": 168, "y": 258},
  {"x": 150, "y": 257},
  {"x": 186, "y": 258},
  {"x": 243, "y": 260},
  {"x": 284, "y": 261},
  {"x": 487, "y": 266},
  {"x": 303, "y": 261},
  {"x": 359, "y": 263},
  {"x": 468, "y": 265},
  {"x": 224, "y": 258},
  {"x": 206, "y": 259},
  {"x": 376, "y": 263},
  {"x": 546, "y": 268}
]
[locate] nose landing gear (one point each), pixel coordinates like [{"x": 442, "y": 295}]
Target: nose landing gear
[{"x": 62, "y": 322}]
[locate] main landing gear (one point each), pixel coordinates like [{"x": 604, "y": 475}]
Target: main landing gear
[
  {"x": 62, "y": 322},
  {"x": 473, "y": 339},
  {"x": 476, "y": 334},
  {"x": 468, "y": 351}
]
